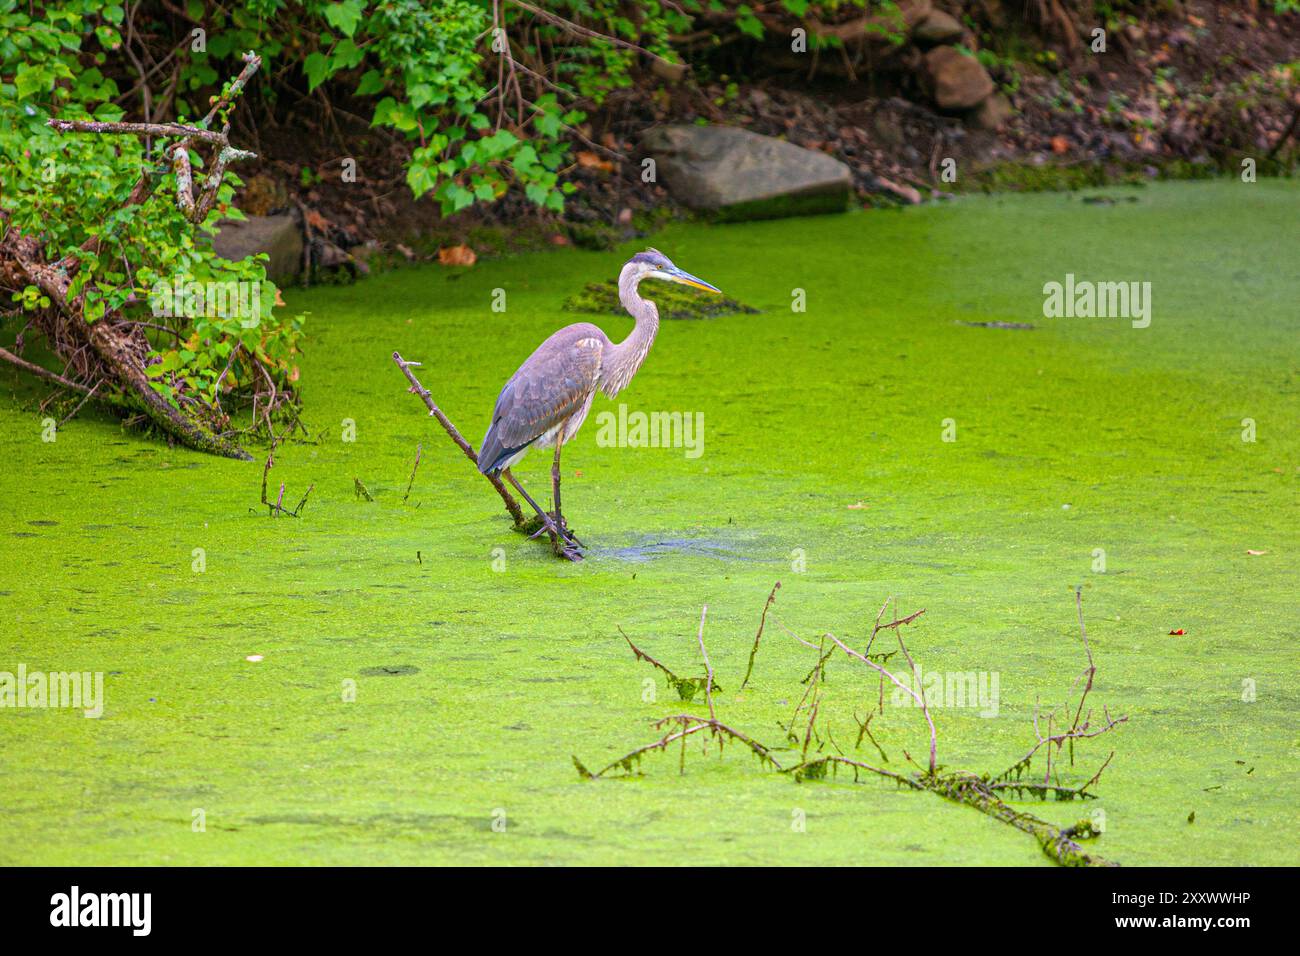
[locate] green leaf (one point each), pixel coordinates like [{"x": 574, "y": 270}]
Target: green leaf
[
  {"x": 525, "y": 161},
  {"x": 371, "y": 82},
  {"x": 747, "y": 23},
  {"x": 460, "y": 197},
  {"x": 345, "y": 16},
  {"x": 547, "y": 124},
  {"x": 421, "y": 178},
  {"x": 346, "y": 55},
  {"x": 384, "y": 110},
  {"x": 317, "y": 68},
  {"x": 32, "y": 79}
]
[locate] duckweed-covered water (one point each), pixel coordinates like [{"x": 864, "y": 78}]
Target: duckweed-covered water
[{"x": 426, "y": 675}]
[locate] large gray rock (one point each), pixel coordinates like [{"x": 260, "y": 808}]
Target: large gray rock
[
  {"x": 959, "y": 82},
  {"x": 743, "y": 175},
  {"x": 280, "y": 237}
]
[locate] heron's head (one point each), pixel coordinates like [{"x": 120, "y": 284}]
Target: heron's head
[{"x": 653, "y": 264}]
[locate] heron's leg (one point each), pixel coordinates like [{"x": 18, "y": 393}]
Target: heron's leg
[
  {"x": 555, "y": 482},
  {"x": 547, "y": 524},
  {"x": 568, "y": 535}
]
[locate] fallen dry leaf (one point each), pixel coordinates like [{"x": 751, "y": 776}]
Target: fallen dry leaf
[
  {"x": 457, "y": 256},
  {"x": 1060, "y": 145},
  {"x": 1178, "y": 633},
  {"x": 317, "y": 221},
  {"x": 589, "y": 160},
  {"x": 279, "y": 300},
  {"x": 1256, "y": 553},
  {"x": 857, "y": 507}
]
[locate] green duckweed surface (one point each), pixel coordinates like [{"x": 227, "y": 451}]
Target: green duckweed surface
[{"x": 481, "y": 665}]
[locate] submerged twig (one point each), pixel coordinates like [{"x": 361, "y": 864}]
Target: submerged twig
[
  {"x": 419, "y": 448},
  {"x": 762, "y": 620},
  {"x": 277, "y": 507},
  {"x": 708, "y": 668},
  {"x": 686, "y": 687}
]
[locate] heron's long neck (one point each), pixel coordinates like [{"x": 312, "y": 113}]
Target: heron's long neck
[{"x": 626, "y": 357}]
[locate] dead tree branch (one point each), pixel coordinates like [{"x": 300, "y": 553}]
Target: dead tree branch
[{"x": 416, "y": 388}]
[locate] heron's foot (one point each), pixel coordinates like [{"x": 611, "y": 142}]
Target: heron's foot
[
  {"x": 568, "y": 552},
  {"x": 563, "y": 541},
  {"x": 544, "y": 526},
  {"x": 565, "y": 533}
]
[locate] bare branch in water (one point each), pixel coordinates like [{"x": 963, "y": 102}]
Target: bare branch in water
[
  {"x": 419, "y": 449},
  {"x": 276, "y": 507},
  {"x": 984, "y": 793},
  {"x": 759, "y": 636},
  {"x": 416, "y": 388},
  {"x": 708, "y": 668}
]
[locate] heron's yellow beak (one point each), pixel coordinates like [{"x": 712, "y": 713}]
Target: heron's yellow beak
[{"x": 685, "y": 278}]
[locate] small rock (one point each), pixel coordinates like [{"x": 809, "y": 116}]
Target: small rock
[
  {"x": 280, "y": 237},
  {"x": 959, "y": 82},
  {"x": 938, "y": 27},
  {"x": 993, "y": 112},
  {"x": 668, "y": 72}
]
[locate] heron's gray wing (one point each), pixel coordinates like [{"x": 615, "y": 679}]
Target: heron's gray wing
[{"x": 549, "y": 387}]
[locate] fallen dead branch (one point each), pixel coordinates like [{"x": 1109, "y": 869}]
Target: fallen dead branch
[
  {"x": 811, "y": 740},
  {"x": 512, "y": 506}
]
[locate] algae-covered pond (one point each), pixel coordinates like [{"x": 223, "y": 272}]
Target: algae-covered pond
[{"x": 426, "y": 674}]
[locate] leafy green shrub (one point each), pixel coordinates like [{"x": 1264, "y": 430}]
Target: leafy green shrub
[
  {"x": 61, "y": 190},
  {"x": 434, "y": 74}
]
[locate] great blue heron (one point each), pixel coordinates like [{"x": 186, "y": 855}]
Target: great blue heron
[{"x": 545, "y": 402}]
